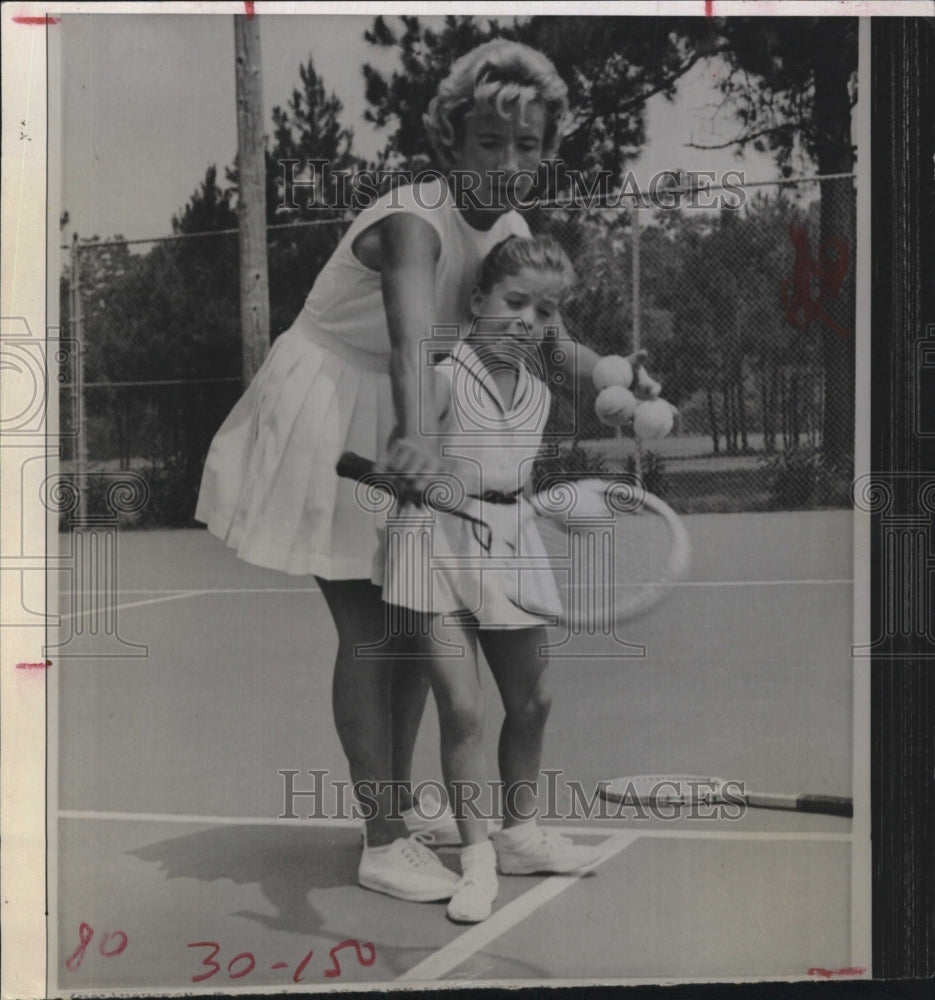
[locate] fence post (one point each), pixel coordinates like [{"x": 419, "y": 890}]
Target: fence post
[
  {"x": 636, "y": 339},
  {"x": 636, "y": 277},
  {"x": 78, "y": 408}
]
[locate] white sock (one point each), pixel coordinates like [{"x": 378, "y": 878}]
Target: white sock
[
  {"x": 520, "y": 833},
  {"x": 481, "y": 854},
  {"x": 382, "y": 849}
]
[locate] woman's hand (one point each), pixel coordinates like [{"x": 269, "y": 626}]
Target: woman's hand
[
  {"x": 644, "y": 386},
  {"x": 413, "y": 464}
]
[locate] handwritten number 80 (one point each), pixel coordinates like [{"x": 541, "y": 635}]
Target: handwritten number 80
[{"x": 106, "y": 948}]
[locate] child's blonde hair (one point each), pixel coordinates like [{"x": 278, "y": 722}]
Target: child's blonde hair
[
  {"x": 512, "y": 255},
  {"x": 496, "y": 73}
]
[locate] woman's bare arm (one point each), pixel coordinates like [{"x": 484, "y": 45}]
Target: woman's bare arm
[
  {"x": 578, "y": 363},
  {"x": 409, "y": 251}
]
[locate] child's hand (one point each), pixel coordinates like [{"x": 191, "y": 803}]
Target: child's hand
[{"x": 644, "y": 386}]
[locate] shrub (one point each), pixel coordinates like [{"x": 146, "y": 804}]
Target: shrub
[
  {"x": 804, "y": 477},
  {"x": 652, "y": 472}
]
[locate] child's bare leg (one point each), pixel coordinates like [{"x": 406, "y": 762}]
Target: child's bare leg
[
  {"x": 520, "y": 672},
  {"x": 523, "y": 847},
  {"x": 455, "y": 683}
]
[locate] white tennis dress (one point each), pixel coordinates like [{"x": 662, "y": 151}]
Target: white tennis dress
[
  {"x": 496, "y": 567},
  {"x": 269, "y": 488}
]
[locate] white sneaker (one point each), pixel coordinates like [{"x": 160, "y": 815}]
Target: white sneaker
[
  {"x": 543, "y": 852},
  {"x": 432, "y": 824},
  {"x": 408, "y": 870},
  {"x": 474, "y": 897}
]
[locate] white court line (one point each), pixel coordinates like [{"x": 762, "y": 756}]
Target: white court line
[
  {"x": 177, "y": 595},
  {"x": 704, "y": 833},
  {"x": 212, "y": 590},
  {"x": 570, "y": 831},
  {"x": 833, "y": 582},
  {"x": 174, "y": 595},
  {"x": 463, "y": 947},
  {"x": 131, "y": 817},
  {"x": 763, "y": 583}
]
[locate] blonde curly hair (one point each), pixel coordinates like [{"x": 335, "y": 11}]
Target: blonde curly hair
[{"x": 497, "y": 73}]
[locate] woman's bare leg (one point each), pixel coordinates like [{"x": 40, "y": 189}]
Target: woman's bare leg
[{"x": 362, "y": 697}]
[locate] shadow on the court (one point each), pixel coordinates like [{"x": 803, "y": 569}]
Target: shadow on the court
[{"x": 288, "y": 864}]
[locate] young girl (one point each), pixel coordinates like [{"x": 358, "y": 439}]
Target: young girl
[{"x": 461, "y": 585}]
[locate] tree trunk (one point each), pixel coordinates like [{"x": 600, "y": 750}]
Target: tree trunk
[
  {"x": 794, "y": 425},
  {"x": 712, "y": 420},
  {"x": 729, "y": 433},
  {"x": 838, "y": 221},
  {"x": 741, "y": 407}
]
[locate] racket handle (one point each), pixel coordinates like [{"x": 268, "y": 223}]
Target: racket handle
[
  {"x": 827, "y": 805},
  {"x": 830, "y": 805},
  {"x": 353, "y": 466}
]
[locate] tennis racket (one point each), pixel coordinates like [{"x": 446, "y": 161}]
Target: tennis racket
[
  {"x": 693, "y": 789},
  {"x": 616, "y": 550}
]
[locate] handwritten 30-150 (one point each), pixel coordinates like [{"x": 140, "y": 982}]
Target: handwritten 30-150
[{"x": 115, "y": 943}]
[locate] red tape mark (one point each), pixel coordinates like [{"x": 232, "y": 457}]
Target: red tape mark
[
  {"x": 35, "y": 20},
  {"x": 856, "y": 970},
  {"x": 709, "y": 8},
  {"x": 251, "y": 9},
  {"x": 34, "y": 666}
]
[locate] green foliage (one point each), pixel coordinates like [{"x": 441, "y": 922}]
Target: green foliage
[
  {"x": 612, "y": 66},
  {"x": 805, "y": 476},
  {"x": 575, "y": 462},
  {"x": 792, "y": 84},
  {"x": 208, "y": 210},
  {"x": 652, "y": 472}
]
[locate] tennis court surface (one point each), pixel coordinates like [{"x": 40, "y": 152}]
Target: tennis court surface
[{"x": 171, "y": 854}]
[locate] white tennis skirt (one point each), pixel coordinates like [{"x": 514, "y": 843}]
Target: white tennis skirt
[
  {"x": 269, "y": 488},
  {"x": 498, "y": 572}
]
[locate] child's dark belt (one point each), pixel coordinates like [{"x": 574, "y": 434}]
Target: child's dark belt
[
  {"x": 496, "y": 496},
  {"x": 480, "y": 529}
]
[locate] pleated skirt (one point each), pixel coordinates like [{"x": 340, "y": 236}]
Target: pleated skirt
[
  {"x": 496, "y": 568},
  {"x": 269, "y": 488}
]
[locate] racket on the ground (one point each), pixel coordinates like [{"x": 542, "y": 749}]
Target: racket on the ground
[
  {"x": 692, "y": 789},
  {"x": 616, "y": 551}
]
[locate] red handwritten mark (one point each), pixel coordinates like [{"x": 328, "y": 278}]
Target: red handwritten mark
[
  {"x": 350, "y": 943},
  {"x": 250, "y": 966},
  {"x": 300, "y": 968},
  {"x": 796, "y": 293},
  {"x": 280, "y": 965},
  {"x": 207, "y": 962},
  {"x": 34, "y": 666},
  {"x": 709, "y": 8},
  {"x": 119, "y": 948},
  {"x": 35, "y": 20},
  {"x": 86, "y": 935},
  {"x": 857, "y": 970},
  {"x": 251, "y": 9}
]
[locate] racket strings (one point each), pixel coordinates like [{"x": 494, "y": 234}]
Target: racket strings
[{"x": 610, "y": 569}]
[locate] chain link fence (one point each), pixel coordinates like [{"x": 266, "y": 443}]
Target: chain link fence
[{"x": 746, "y": 311}]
